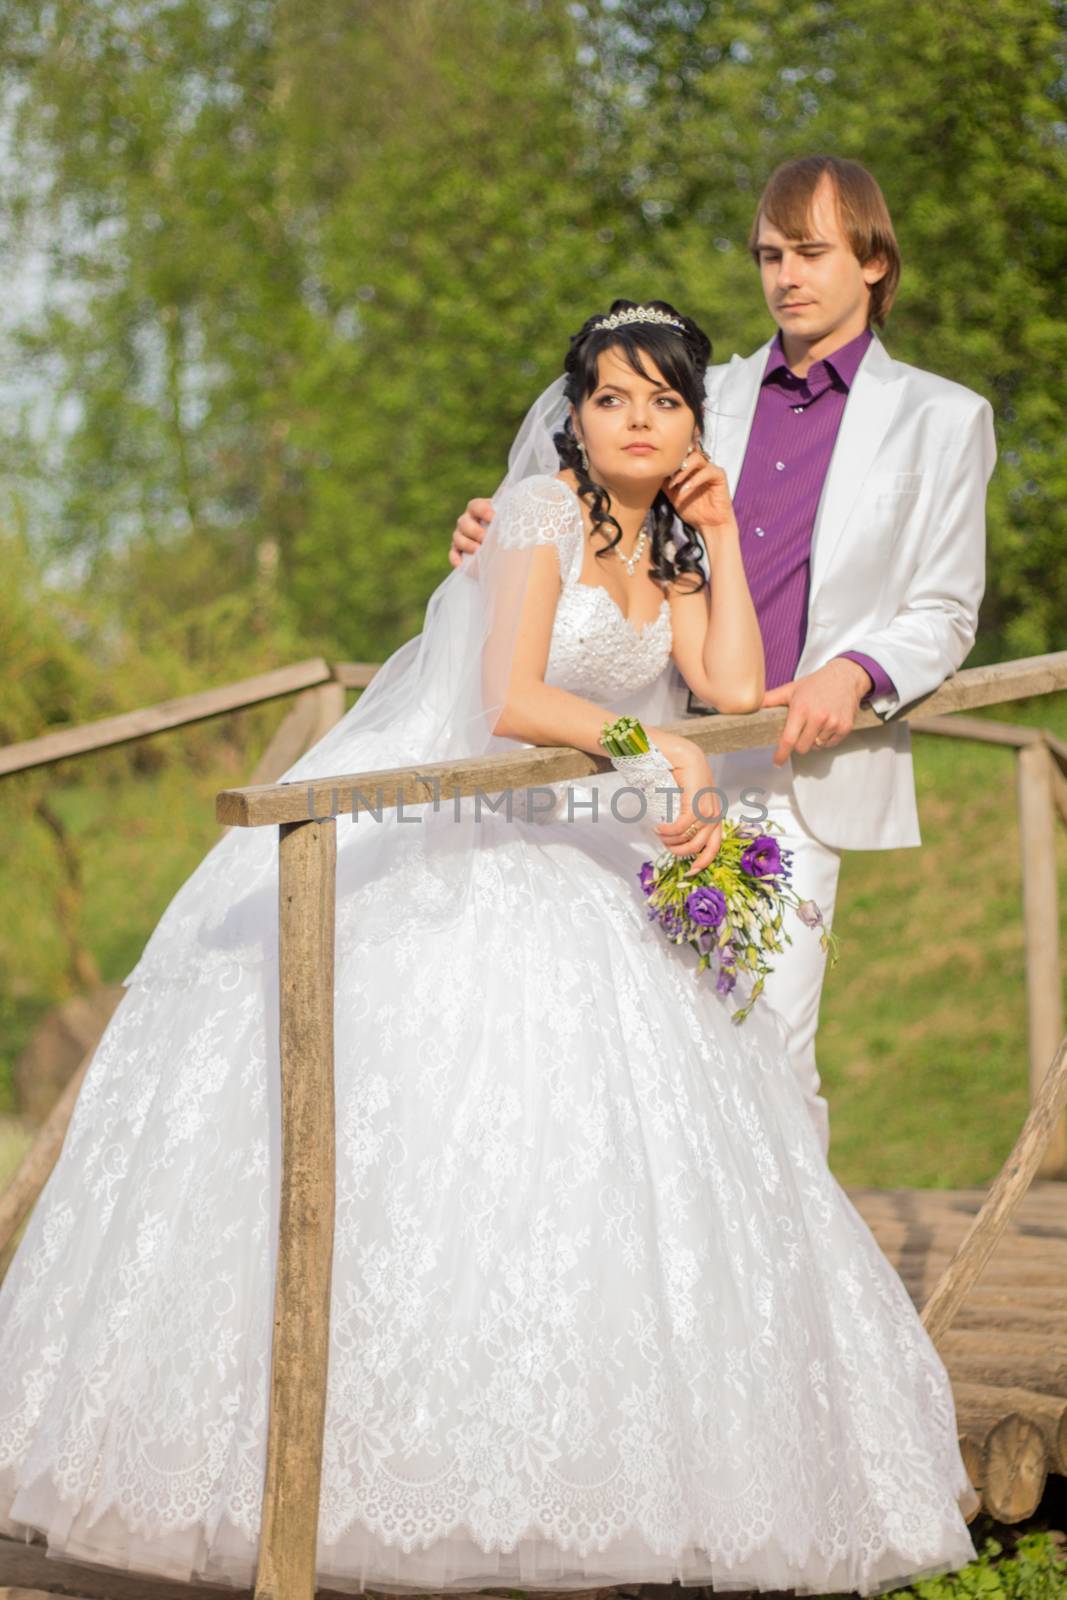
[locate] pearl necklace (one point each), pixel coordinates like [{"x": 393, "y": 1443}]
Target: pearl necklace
[{"x": 630, "y": 561}]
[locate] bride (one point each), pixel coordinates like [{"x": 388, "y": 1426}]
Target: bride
[{"x": 600, "y": 1311}]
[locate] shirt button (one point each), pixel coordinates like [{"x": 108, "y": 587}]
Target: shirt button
[
  {"x": 760, "y": 532},
  {"x": 779, "y": 466}
]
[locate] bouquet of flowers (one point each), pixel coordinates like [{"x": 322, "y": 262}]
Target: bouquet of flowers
[{"x": 732, "y": 911}]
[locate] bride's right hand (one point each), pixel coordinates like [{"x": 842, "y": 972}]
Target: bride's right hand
[
  {"x": 692, "y": 773},
  {"x": 470, "y": 530}
]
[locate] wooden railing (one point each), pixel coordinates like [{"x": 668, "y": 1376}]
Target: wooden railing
[
  {"x": 305, "y": 813},
  {"x": 321, "y": 689}
]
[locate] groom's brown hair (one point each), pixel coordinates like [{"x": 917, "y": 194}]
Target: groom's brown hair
[{"x": 786, "y": 202}]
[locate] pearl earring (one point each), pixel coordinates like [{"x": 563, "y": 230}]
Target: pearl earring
[{"x": 585, "y": 458}]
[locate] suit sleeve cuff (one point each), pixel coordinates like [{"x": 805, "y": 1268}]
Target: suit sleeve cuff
[{"x": 881, "y": 683}]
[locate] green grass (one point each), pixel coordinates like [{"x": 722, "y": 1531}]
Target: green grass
[
  {"x": 922, "y": 1044},
  {"x": 1036, "y": 1571},
  {"x": 139, "y": 828}
]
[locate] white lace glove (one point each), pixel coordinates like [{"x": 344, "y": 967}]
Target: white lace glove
[{"x": 648, "y": 772}]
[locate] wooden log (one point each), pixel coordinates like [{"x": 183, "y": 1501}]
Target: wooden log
[
  {"x": 1006, "y": 1268},
  {"x": 109, "y": 731},
  {"x": 1041, "y": 922},
  {"x": 972, "y": 1453},
  {"x": 931, "y": 1207},
  {"x": 921, "y": 1284},
  {"x": 1016, "y": 1468},
  {"x": 980, "y": 1407},
  {"x": 1006, "y": 1360},
  {"x": 1009, "y": 1318},
  {"x": 1004, "y": 1198},
  {"x": 256, "y": 806},
  {"x": 941, "y": 1233},
  {"x": 1030, "y": 1307},
  {"x": 991, "y": 1297},
  {"x": 35, "y": 1168},
  {"x": 1019, "y": 1259},
  {"x": 1007, "y": 1271},
  {"x": 1043, "y": 1194},
  {"x": 1031, "y": 1220},
  {"x": 300, "y": 1348}
]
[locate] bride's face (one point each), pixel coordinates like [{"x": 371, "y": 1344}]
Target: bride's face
[{"x": 636, "y": 430}]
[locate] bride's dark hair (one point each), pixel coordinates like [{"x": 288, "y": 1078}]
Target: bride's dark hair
[{"x": 682, "y": 356}]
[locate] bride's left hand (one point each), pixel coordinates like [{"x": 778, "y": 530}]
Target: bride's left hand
[
  {"x": 694, "y": 778},
  {"x": 699, "y": 493}
]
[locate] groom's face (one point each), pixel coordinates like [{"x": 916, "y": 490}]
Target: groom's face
[{"x": 814, "y": 285}]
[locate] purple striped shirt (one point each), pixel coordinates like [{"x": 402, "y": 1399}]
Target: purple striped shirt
[{"x": 786, "y": 461}]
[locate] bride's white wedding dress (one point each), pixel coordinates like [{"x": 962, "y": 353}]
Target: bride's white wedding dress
[{"x": 600, "y": 1310}]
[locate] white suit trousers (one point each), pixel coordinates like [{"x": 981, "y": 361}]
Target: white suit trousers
[{"x": 794, "y": 987}]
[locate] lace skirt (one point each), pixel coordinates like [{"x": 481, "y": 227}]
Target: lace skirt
[{"x": 600, "y": 1311}]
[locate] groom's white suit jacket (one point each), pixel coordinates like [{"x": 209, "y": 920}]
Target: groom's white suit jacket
[{"x": 897, "y": 568}]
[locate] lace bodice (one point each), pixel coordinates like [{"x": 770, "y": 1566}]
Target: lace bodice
[{"x": 595, "y": 651}]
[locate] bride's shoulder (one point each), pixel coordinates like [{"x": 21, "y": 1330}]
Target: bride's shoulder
[{"x": 539, "y": 509}]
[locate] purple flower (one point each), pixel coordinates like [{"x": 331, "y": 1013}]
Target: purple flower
[
  {"x": 726, "y": 980},
  {"x": 809, "y": 914},
  {"x": 706, "y": 906},
  {"x": 762, "y": 858},
  {"x": 647, "y": 875}
]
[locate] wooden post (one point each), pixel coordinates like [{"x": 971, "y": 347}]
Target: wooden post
[
  {"x": 300, "y": 1346},
  {"x": 1044, "y": 980},
  {"x": 1013, "y": 1180},
  {"x": 330, "y": 708}
]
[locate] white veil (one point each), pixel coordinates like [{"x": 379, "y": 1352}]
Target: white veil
[{"x": 437, "y": 698}]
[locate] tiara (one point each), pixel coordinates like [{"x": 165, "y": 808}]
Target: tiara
[{"x": 637, "y": 314}]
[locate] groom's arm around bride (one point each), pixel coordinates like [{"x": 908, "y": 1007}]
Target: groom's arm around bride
[{"x": 859, "y": 484}]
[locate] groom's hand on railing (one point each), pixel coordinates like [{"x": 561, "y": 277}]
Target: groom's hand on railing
[
  {"x": 470, "y": 530},
  {"x": 822, "y": 707}
]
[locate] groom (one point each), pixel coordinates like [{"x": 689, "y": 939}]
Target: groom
[{"x": 859, "y": 486}]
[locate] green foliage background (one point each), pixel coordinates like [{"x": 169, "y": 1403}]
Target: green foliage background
[
  {"x": 281, "y": 281},
  {"x": 303, "y": 268}
]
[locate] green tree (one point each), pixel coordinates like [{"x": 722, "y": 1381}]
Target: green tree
[
  {"x": 308, "y": 267},
  {"x": 961, "y": 112}
]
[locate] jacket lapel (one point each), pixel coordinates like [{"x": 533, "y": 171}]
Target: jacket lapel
[
  {"x": 731, "y": 405},
  {"x": 869, "y": 410}
]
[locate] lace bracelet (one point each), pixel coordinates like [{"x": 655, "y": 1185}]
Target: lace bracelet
[{"x": 643, "y": 765}]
